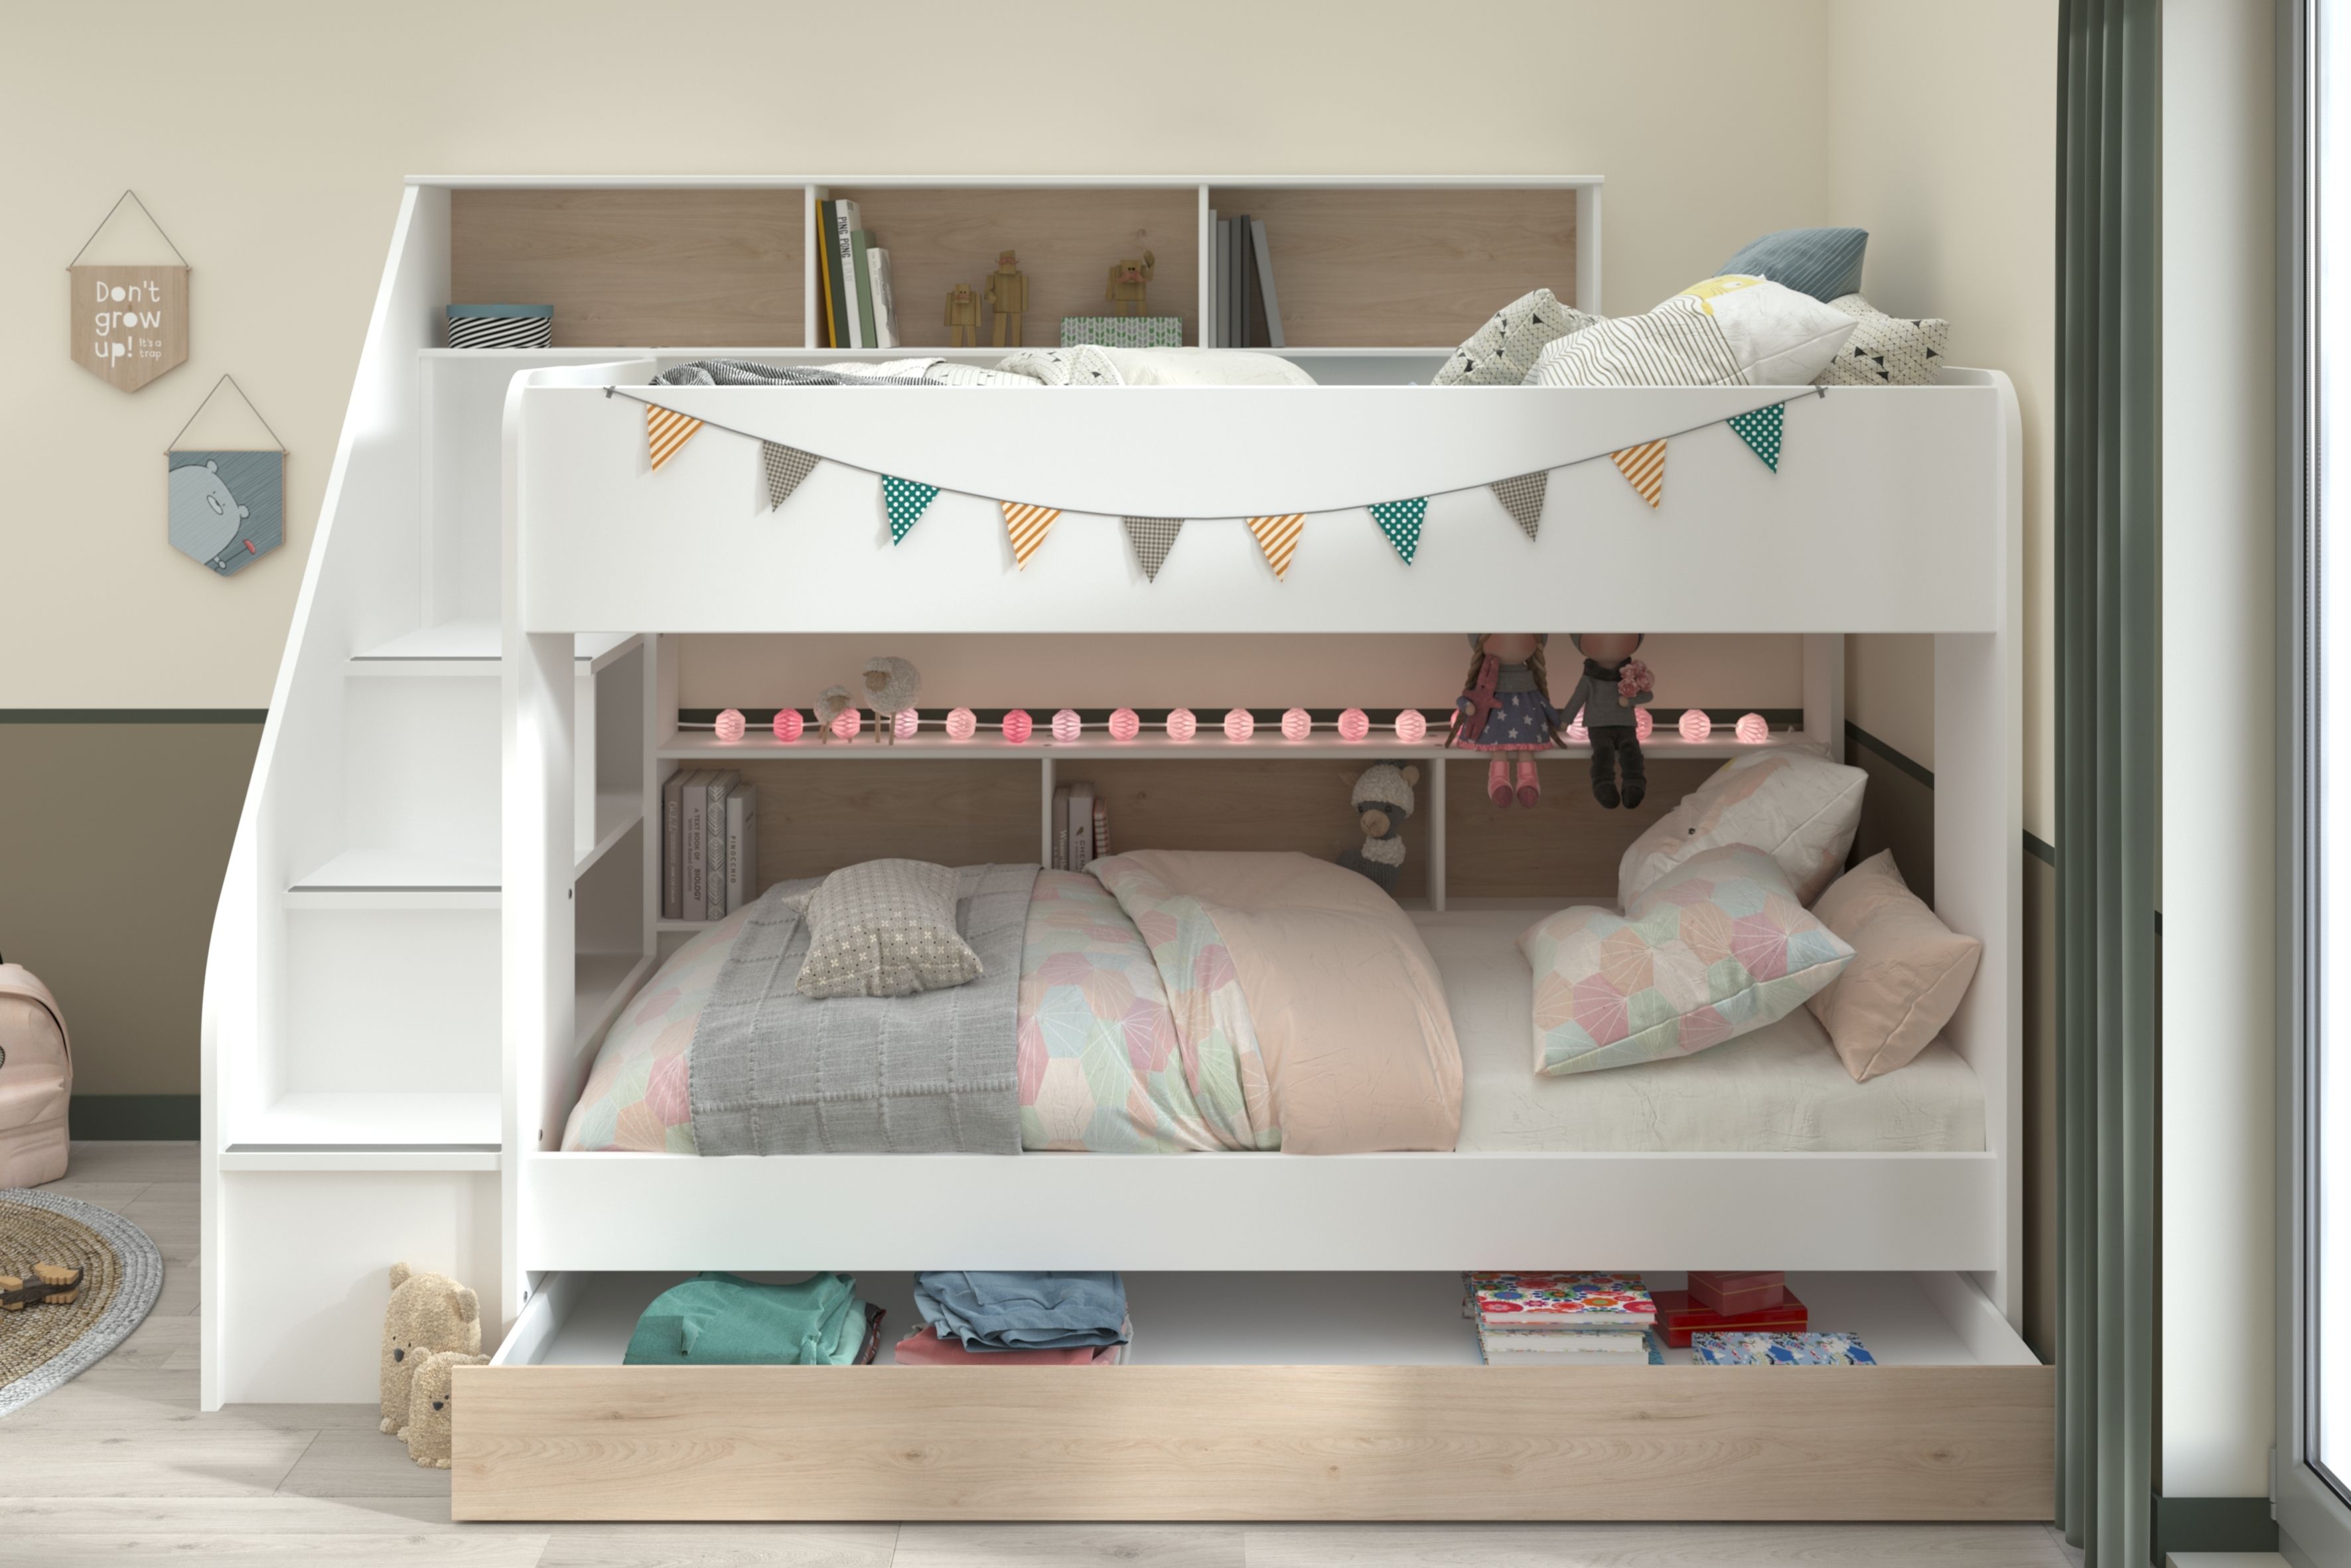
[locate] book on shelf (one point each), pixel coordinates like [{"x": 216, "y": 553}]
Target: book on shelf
[
  {"x": 826, "y": 337},
  {"x": 1082, "y": 824},
  {"x": 1680, "y": 1315},
  {"x": 844, "y": 262},
  {"x": 1212, "y": 331},
  {"x": 714, "y": 835},
  {"x": 694, "y": 797},
  {"x": 1570, "y": 1300},
  {"x": 742, "y": 846},
  {"x": 885, "y": 305},
  {"x": 1747, "y": 1349},
  {"x": 1061, "y": 827},
  {"x": 673, "y": 826},
  {"x": 1101, "y": 827},
  {"x": 1505, "y": 1346},
  {"x": 1268, "y": 314}
]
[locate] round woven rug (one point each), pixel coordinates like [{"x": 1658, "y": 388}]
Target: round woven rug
[{"x": 42, "y": 1346}]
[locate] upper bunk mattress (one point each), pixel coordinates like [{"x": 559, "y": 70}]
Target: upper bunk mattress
[{"x": 1779, "y": 1090}]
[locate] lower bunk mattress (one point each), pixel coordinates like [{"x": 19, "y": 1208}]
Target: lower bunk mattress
[{"x": 1134, "y": 1037}]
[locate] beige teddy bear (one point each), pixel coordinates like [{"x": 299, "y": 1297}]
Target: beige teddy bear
[
  {"x": 430, "y": 1412},
  {"x": 427, "y": 1313}
]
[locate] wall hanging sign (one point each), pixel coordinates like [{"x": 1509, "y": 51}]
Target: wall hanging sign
[
  {"x": 227, "y": 506},
  {"x": 130, "y": 323}
]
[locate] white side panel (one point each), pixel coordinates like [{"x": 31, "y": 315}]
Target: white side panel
[
  {"x": 306, "y": 1263},
  {"x": 1901, "y": 1212},
  {"x": 421, "y": 772},
  {"x": 392, "y": 1000},
  {"x": 1878, "y": 520}
]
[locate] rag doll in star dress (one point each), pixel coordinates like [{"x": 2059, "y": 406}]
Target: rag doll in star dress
[{"x": 1505, "y": 707}]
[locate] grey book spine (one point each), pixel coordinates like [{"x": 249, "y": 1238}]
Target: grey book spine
[
  {"x": 714, "y": 832},
  {"x": 672, "y": 871},
  {"x": 695, "y": 798},
  {"x": 742, "y": 846},
  {"x": 1267, "y": 300}
]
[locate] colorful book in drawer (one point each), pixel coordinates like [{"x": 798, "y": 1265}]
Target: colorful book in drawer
[
  {"x": 1679, "y": 1315},
  {"x": 1569, "y": 1301},
  {"x": 1542, "y": 1346},
  {"x": 1779, "y": 1350}
]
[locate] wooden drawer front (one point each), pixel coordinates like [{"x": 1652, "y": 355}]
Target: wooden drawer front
[{"x": 1255, "y": 1443}]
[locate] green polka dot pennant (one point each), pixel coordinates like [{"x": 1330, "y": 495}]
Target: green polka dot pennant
[
  {"x": 1401, "y": 520},
  {"x": 1761, "y": 431},
  {"x": 903, "y": 500}
]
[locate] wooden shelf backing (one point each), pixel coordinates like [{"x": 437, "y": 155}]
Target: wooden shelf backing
[
  {"x": 1416, "y": 267},
  {"x": 1067, "y": 240},
  {"x": 637, "y": 265}
]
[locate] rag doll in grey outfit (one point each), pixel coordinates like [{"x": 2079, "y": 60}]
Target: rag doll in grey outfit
[{"x": 1615, "y": 686}]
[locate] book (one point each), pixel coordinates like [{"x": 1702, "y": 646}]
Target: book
[
  {"x": 885, "y": 305},
  {"x": 1269, "y": 307},
  {"x": 742, "y": 847},
  {"x": 1244, "y": 284},
  {"x": 844, "y": 267},
  {"x": 693, "y": 901},
  {"x": 1061, "y": 827},
  {"x": 1101, "y": 827},
  {"x": 1212, "y": 331},
  {"x": 861, "y": 252},
  {"x": 673, "y": 870},
  {"x": 1082, "y": 824},
  {"x": 1556, "y": 1347},
  {"x": 1779, "y": 1350},
  {"x": 714, "y": 837},
  {"x": 1579, "y": 1301},
  {"x": 828, "y": 277},
  {"x": 1679, "y": 1315}
]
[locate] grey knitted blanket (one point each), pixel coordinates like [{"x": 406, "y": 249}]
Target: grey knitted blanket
[
  {"x": 749, "y": 373},
  {"x": 773, "y": 1072}
]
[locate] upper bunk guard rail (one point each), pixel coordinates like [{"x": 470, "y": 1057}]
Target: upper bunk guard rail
[{"x": 1888, "y": 512}]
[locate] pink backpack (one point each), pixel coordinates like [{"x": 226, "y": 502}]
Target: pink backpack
[{"x": 36, "y": 1081}]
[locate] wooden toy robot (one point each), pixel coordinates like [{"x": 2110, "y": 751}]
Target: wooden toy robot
[
  {"x": 963, "y": 317},
  {"x": 1129, "y": 281},
  {"x": 1008, "y": 295}
]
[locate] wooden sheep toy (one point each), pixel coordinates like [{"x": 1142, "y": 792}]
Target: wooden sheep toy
[
  {"x": 54, "y": 1285},
  {"x": 1129, "y": 284},
  {"x": 889, "y": 688}
]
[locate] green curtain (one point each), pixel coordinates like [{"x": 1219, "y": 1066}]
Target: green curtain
[{"x": 2109, "y": 512}]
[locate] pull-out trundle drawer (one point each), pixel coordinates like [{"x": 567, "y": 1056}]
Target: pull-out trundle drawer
[{"x": 1266, "y": 1397}]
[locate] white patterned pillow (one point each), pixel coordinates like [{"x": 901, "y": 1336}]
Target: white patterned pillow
[
  {"x": 1886, "y": 350},
  {"x": 1726, "y": 332},
  {"x": 886, "y": 928},
  {"x": 1504, "y": 349}
]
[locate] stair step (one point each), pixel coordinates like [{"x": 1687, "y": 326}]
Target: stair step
[
  {"x": 465, "y": 648},
  {"x": 459, "y": 1121},
  {"x": 395, "y": 879}
]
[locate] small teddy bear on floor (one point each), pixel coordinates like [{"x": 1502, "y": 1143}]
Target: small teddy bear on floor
[
  {"x": 430, "y": 1408},
  {"x": 427, "y": 1313},
  {"x": 1383, "y": 800}
]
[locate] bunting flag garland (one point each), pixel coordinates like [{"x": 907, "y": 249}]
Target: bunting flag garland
[
  {"x": 1152, "y": 537},
  {"x": 1401, "y": 520},
  {"x": 1028, "y": 527},
  {"x": 786, "y": 466},
  {"x": 1645, "y": 468},
  {"x": 666, "y": 430},
  {"x": 1522, "y": 497},
  {"x": 1760, "y": 430},
  {"x": 1277, "y": 537},
  {"x": 904, "y": 501}
]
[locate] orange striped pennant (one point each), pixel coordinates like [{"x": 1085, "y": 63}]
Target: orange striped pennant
[
  {"x": 666, "y": 430},
  {"x": 1645, "y": 468},
  {"x": 1028, "y": 526},
  {"x": 1277, "y": 537}
]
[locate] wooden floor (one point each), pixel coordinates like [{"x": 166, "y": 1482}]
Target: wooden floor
[{"x": 118, "y": 1465}]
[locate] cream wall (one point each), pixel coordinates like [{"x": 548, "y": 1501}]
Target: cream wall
[
  {"x": 281, "y": 189},
  {"x": 1942, "y": 142}
]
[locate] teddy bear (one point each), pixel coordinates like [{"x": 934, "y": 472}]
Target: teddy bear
[
  {"x": 430, "y": 1409},
  {"x": 427, "y": 1313},
  {"x": 1383, "y": 800}
]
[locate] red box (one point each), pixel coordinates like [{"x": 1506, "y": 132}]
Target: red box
[
  {"x": 1733, "y": 1294},
  {"x": 1678, "y": 1317}
]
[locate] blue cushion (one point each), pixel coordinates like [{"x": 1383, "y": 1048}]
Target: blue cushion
[{"x": 1823, "y": 263}]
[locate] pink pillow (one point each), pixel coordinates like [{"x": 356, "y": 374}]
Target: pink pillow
[{"x": 1907, "y": 975}]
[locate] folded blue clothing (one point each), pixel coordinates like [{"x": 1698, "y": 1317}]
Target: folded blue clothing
[{"x": 986, "y": 1309}]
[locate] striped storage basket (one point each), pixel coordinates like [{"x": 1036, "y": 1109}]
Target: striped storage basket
[{"x": 501, "y": 326}]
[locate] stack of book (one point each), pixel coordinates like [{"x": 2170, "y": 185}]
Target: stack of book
[
  {"x": 1680, "y": 1315},
  {"x": 1080, "y": 826},
  {"x": 710, "y": 844},
  {"x": 1564, "y": 1320},
  {"x": 856, "y": 308},
  {"x": 1243, "y": 310},
  {"x": 1779, "y": 1350}
]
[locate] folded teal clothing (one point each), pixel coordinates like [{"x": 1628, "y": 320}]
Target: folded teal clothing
[
  {"x": 991, "y": 1310},
  {"x": 721, "y": 1320}
]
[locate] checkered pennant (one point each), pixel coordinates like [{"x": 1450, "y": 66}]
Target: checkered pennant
[
  {"x": 1522, "y": 497},
  {"x": 786, "y": 466},
  {"x": 1151, "y": 538}
]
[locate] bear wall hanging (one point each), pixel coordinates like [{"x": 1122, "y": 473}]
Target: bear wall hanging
[
  {"x": 227, "y": 506},
  {"x": 129, "y": 322}
]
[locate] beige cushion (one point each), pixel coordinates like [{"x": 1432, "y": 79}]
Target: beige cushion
[
  {"x": 1886, "y": 350},
  {"x": 886, "y": 928},
  {"x": 1907, "y": 975}
]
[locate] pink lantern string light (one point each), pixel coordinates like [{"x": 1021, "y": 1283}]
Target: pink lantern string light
[
  {"x": 1751, "y": 730},
  {"x": 1353, "y": 724},
  {"x": 847, "y": 723},
  {"x": 1239, "y": 725},
  {"x": 1067, "y": 726},
  {"x": 1695, "y": 725},
  {"x": 1181, "y": 724},
  {"x": 962, "y": 724},
  {"x": 1411, "y": 726},
  {"x": 1576, "y": 734},
  {"x": 789, "y": 725},
  {"x": 1125, "y": 726},
  {"x": 1017, "y": 726},
  {"x": 1297, "y": 724},
  {"x": 906, "y": 724},
  {"x": 1642, "y": 725},
  {"x": 730, "y": 728}
]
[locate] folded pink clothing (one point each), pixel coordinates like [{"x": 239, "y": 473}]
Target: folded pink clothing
[{"x": 925, "y": 1348}]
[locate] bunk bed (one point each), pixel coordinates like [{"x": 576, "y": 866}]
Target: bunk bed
[{"x": 552, "y": 555}]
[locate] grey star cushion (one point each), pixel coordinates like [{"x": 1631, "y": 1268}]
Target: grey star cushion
[
  {"x": 1505, "y": 349},
  {"x": 886, "y": 928},
  {"x": 1886, "y": 350}
]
